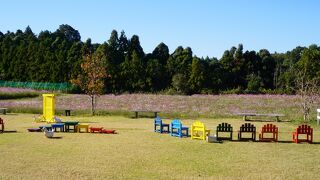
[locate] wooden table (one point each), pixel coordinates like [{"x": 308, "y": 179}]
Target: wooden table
[
  {"x": 67, "y": 125},
  {"x": 84, "y": 126},
  {"x": 245, "y": 115},
  {"x": 4, "y": 110},
  {"x": 58, "y": 125}
]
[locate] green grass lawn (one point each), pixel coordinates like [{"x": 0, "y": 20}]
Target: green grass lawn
[{"x": 136, "y": 152}]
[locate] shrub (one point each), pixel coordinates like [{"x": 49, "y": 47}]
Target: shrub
[{"x": 4, "y": 95}]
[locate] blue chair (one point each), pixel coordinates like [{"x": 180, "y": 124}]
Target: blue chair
[
  {"x": 158, "y": 123},
  {"x": 177, "y": 129}
]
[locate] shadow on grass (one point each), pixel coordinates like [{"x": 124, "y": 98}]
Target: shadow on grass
[
  {"x": 266, "y": 120},
  {"x": 58, "y": 137},
  {"x": 10, "y": 114},
  {"x": 269, "y": 142},
  {"x": 13, "y": 131},
  {"x": 88, "y": 122}
]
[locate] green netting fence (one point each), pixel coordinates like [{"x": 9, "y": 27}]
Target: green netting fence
[{"x": 63, "y": 87}]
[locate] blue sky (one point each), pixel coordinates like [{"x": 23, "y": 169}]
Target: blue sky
[{"x": 209, "y": 27}]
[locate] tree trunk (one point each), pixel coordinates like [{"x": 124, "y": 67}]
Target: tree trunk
[
  {"x": 305, "y": 113},
  {"x": 92, "y": 105}
]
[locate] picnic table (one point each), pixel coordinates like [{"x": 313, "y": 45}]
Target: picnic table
[
  {"x": 245, "y": 115},
  {"x": 4, "y": 110},
  {"x": 144, "y": 111}
]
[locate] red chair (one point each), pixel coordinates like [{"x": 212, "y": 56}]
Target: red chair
[
  {"x": 1, "y": 125},
  {"x": 303, "y": 129},
  {"x": 270, "y": 129}
]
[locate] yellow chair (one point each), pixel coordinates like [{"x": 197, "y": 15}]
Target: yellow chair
[
  {"x": 199, "y": 131},
  {"x": 82, "y": 126}
]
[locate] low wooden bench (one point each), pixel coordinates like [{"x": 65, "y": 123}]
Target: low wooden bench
[
  {"x": 108, "y": 131},
  {"x": 245, "y": 115},
  {"x": 303, "y": 129},
  {"x": 69, "y": 124},
  {"x": 269, "y": 129},
  {"x": 226, "y": 128},
  {"x": 136, "y": 112},
  {"x": 4, "y": 110},
  {"x": 199, "y": 131},
  {"x": 96, "y": 129},
  {"x": 247, "y": 128},
  {"x": 84, "y": 126}
]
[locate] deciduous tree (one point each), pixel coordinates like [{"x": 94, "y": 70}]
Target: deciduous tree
[{"x": 91, "y": 81}]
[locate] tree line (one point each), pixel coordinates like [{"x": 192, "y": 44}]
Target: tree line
[{"x": 57, "y": 57}]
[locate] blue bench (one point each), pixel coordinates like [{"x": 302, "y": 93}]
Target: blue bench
[
  {"x": 177, "y": 129},
  {"x": 158, "y": 123},
  {"x": 58, "y": 125}
]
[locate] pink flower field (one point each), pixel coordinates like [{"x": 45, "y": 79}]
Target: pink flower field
[{"x": 184, "y": 106}]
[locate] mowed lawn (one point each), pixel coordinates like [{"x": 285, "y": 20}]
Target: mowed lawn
[{"x": 137, "y": 152}]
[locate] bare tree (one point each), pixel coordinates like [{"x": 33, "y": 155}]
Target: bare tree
[{"x": 308, "y": 91}]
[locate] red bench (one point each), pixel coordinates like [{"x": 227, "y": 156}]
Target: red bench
[
  {"x": 303, "y": 129},
  {"x": 269, "y": 129},
  {"x": 108, "y": 131},
  {"x": 101, "y": 130},
  {"x": 96, "y": 129},
  {"x": 1, "y": 125}
]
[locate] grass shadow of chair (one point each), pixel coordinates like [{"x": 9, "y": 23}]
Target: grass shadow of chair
[
  {"x": 56, "y": 137},
  {"x": 13, "y": 131}
]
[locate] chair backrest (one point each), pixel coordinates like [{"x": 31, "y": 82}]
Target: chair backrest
[
  {"x": 176, "y": 123},
  {"x": 224, "y": 127},
  {"x": 247, "y": 127},
  {"x": 269, "y": 128},
  {"x": 158, "y": 120},
  {"x": 197, "y": 124},
  {"x": 304, "y": 129}
]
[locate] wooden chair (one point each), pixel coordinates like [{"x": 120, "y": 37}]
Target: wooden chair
[
  {"x": 1, "y": 125},
  {"x": 226, "y": 128},
  {"x": 158, "y": 123},
  {"x": 177, "y": 129},
  {"x": 303, "y": 129},
  {"x": 199, "y": 131},
  {"x": 269, "y": 129},
  {"x": 247, "y": 128}
]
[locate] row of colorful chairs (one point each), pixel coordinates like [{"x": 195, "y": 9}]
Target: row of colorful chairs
[{"x": 199, "y": 131}]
